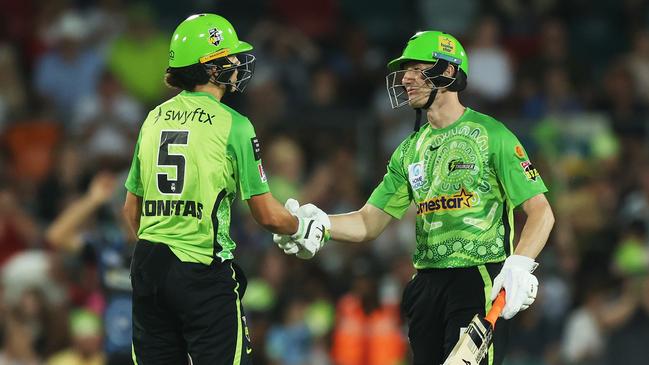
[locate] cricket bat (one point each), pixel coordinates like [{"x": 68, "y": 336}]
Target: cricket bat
[{"x": 473, "y": 344}]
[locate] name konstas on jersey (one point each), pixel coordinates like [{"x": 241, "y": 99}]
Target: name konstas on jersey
[{"x": 166, "y": 208}]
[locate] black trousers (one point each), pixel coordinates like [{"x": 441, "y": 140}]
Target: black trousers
[
  {"x": 440, "y": 303},
  {"x": 186, "y": 310}
]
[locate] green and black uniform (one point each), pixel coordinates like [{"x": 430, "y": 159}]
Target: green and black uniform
[
  {"x": 465, "y": 180},
  {"x": 194, "y": 155}
]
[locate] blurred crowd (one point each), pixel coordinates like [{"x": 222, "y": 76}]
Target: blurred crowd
[{"x": 77, "y": 78}]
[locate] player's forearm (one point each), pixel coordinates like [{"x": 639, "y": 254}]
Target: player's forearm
[
  {"x": 272, "y": 215},
  {"x": 63, "y": 232},
  {"x": 280, "y": 222},
  {"x": 349, "y": 227},
  {"x": 360, "y": 226},
  {"x": 132, "y": 212},
  {"x": 536, "y": 231}
]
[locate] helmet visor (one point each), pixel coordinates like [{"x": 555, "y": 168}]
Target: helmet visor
[
  {"x": 235, "y": 73},
  {"x": 431, "y": 77}
]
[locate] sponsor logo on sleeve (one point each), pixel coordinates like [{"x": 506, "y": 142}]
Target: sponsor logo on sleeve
[
  {"x": 256, "y": 148},
  {"x": 520, "y": 152},
  {"x": 530, "y": 171},
  {"x": 262, "y": 174},
  {"x": 416, "y": 175}
]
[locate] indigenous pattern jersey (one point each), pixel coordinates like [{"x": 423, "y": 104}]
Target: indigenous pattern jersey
[
  {"x": 465, "y": 180},
  {"x": 192, "y": 156}
]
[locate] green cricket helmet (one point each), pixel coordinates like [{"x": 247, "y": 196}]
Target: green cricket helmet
[
  {"x": 210, "y": 39},
  {"x": 434, "y": 47}
]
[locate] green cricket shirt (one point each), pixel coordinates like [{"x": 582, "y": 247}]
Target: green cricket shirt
[
  {"x": 192, "y": 156},
  {"x": 465, "y": 180}
]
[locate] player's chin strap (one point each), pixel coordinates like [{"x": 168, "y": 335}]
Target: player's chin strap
[
  {"x": 419, "y": 111},
  {"x": 455, "y": 83}
]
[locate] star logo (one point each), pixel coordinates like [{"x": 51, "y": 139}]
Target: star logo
[{"x": 465, "y": 198}]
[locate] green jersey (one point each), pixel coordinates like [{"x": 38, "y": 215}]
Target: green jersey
[
  {"x": 192, "y": 156},
  {"x": 465, "y": 180}
]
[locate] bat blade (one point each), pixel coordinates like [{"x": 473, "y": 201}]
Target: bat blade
[{"x": 473, "y": 344}]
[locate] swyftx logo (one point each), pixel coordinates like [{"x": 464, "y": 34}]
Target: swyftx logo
[{"x": 184, "y": 116}]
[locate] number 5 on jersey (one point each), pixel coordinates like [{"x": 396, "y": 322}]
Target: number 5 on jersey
[{"x": 177, "y": 160}]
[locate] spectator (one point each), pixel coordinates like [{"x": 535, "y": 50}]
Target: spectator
[
  {"x": 367, "y": 332},
  {"x": 106, "y": 252},
  {"x": 18, "y": 346},
  {"x": 107, "y": 123},
  {"x": 139, "y": 56},
  {"x": 12, "y": 89},
  {"x": 71, "y": 69},
  {"x": 491, "y": 69},
  {"x": 18, "y": 230},
  {"x": 638, "y": 63},
  {"x": 85, "y": 328}
]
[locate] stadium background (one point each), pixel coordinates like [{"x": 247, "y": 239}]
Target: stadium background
[{"x": 571, "y": 78}]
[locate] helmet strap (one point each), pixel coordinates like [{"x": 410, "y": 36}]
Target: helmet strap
[{"x": 419, "y": 111}]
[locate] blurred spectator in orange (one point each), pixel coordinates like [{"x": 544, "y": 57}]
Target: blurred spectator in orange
[
  {"x": 85, "y": 328},
  {"x": 139, "y": 56},
  {"x": 71, "y": 70},
  {"x": 367, "y": 331},
  {"x": 30, "y": 145}
]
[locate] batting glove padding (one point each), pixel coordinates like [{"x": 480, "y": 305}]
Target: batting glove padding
[{"x": 519, "y": 284}]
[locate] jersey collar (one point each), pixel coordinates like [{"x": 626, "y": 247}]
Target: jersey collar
[{"x": 198, "y": 93}]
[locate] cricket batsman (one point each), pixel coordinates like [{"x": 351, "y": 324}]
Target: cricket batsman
[
  {"x": 194, "y": 156},
  {"x": 465, "y": 172}
]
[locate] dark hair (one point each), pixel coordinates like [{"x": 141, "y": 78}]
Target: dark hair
[
  {"x": 188, "y": 77},
  {"x": 460, "y": 81}
]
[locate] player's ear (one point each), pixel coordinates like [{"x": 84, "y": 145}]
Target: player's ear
[{"x": 450, "y": 70}]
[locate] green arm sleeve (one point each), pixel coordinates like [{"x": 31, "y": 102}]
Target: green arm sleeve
[
  {"x": 518, "y": 177},
  {"x": 133, "y": 181},
  {"x": 393, "y": 193},
  {"x": 245, "y": 146}
]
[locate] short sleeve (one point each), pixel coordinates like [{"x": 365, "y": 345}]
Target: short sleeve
[
  {"x": 133, "y": 180},
  {"x": 516, "y": 173},
  {"x": 393, "y": 193},
  {"x": 245, "y": 146}
]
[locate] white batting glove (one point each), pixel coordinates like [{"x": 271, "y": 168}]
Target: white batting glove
[
  {"x": 313, "y": 231},
  {"x": 285, "y": 242},
  {"x": 519, "y": 284}
]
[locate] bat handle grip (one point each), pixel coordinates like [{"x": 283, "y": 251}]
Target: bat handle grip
[{"x": 496, "y": 308}]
